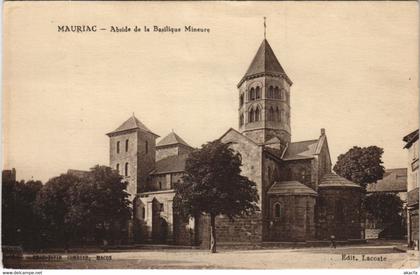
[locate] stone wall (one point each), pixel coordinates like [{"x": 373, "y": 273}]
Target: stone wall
[
  {"x": 299, "y": 170},
  {"x": 122, "y": 157},
  {"x": 338, "y": 213},
  {"x": 271, "y": 173},
  {"x": 296, "y": 221},
  {"x": 166, "y": 151},
  {"x": 246, "y": 229},
  {"x": 146, "y": 154},
  {"x": 251, "y": 155},
  {"x": 157, "y": 219}
]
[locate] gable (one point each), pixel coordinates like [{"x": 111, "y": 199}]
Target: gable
[{"x": 233, "y": 136}]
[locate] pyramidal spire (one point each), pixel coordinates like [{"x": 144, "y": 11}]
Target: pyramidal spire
[{"x": 264, "y": 62}]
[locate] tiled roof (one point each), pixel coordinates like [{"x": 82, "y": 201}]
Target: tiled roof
[
  {"x": 334, "y": 180},
  {"x": 301, "y": 150},
  {"x": 273, "y": 140},
  {"x": 77, "y": 173},
  {"x": 265, "y": 61},
  {"x": 172, "y": 139},
  {"x": 394, "y": 180},
  {"x": 170, "y": 164},
  {"x": 273, "y": 151},
  {"x": 291, "y": 188},
  {"x": 411, "y": 138},
  {"x": 130, "y": 124}
]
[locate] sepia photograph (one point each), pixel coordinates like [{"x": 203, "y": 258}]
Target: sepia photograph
[{"x": 210, "y": 135}]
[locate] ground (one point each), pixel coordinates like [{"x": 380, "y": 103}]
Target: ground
[{"x": 380, "y": 255}]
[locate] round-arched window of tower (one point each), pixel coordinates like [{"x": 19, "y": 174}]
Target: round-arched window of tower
[
  {"x": 271, "y": 114},
  {"x": 257, "y": 114},
  {"x": 271, "y": 92},
  {"x": 251, "y": 116},
  {"x": 252, "y": 94},
  {"x": 257, "y": 93},
  {"x": 276, "y": 93}
]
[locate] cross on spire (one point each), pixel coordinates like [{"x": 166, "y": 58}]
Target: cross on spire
[{"x": 265, "y": 27}]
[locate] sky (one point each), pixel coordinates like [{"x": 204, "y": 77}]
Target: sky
[{"x": 354, "y": 67}]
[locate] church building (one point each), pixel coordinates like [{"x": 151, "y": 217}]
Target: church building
[{"x": 301, "y": 199}]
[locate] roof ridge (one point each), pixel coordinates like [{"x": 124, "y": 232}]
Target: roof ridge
[
  {"x": 264, "y": 61},
  {"x": 305, "y": 141},
  {"x": 171, "y": 139},
  {"x": 132, "y": 123}
]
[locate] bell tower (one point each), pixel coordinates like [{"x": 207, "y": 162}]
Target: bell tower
[
  {"x": 264, "y": 99},
  {"x": 132, "y": 153}
]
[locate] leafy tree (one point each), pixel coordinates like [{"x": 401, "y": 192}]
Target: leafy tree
[
  {"x": 99, "y": 202},
  {"x": 52, "y": 205},
  {"x": 384, "y": 207},
  {"x": 361, "y": 165},
  {"x": 213, "y": 185},
  {"x": 19, "y": 223},
  {"x": 75, "y": 208}
]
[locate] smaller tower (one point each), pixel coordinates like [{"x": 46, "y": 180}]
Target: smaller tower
[
  {"x": 172, "y": 145},
  {"x": 132, "y": 153}
]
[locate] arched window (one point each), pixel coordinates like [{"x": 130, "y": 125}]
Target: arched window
[
  {"x": 126, "y": 169},
  {"x": 143, "y": 213},
  {"x": 257, "y": 93},
  {"x": 241, "y": 119},
  {"x": 277, "y": 114},
  {"x": 118, "y": 147},
  {"x": 146, "y": 146},
  {"x": 276, "y": 92},
  {"x": 117, "y": 167},
  {"x": 270, "y": 92},
  {"x": 241, "y": 100},
  {"x": 271, "y": 114},
  {"x": 251, "y": 116},
  {"x": 283, "y": 94},
  {"x": 277, "y": 210},
  {"x": 252, "y": 94},
  {"x": 126, "y": 145},
  {"x": 257, "y": 114}
]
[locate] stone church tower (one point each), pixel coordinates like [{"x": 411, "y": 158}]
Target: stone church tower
[
  {"x": 133, "y": 153},
  {"x": 264, "y": 99}
]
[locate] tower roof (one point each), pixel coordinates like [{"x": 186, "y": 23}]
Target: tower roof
[
  {"x": 265, "y": 61},
  {"x": 291, "y": 188},
  {"x": 334, "y": 180},
  {"x": 171, "y": 139},
  {"x": 131, "y": 124}
]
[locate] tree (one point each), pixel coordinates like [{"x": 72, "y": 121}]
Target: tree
[
  {"x": 99, "y": 201},
  {"x": 213, "y": 185},
  {"x": 384, "y": 207},
  {"x": 361, "y": 165},
  {"x": 75, "y": 208},
  {"x": 52, "y": 205},
  {"x": 19, "y": 223}
]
